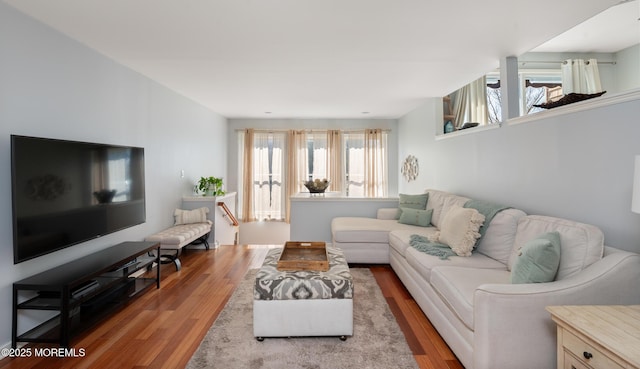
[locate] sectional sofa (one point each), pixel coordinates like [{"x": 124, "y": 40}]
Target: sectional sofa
[{"x": 488, "y": 321}]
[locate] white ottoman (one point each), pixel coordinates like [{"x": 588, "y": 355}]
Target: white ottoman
[{"x": 303, "y": 303}]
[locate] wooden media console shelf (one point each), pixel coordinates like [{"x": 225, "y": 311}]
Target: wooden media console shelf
[{"x": 82, "y": 292}]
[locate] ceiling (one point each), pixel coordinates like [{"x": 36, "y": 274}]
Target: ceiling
[
  {"x": 612, "y": 30},
  {"x": 311, "y": 59}
]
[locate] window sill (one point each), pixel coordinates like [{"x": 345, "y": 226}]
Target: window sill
[
  {"x": 467, "y": 131},
  {"x": 598, "y": 102}
]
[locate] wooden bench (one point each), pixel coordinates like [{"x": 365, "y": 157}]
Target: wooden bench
[{"x": 179, "y": 236}]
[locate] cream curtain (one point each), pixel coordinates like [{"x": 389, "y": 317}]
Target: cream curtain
[
  {"x": 335, "y": 173},
  {"x": 375, "y": 163},
  {"x": 470, "y": 103},
  {"x": 580, "y": 77},
  {"x": 247, "y": 177},
  {"x": 297, "y": 167}
]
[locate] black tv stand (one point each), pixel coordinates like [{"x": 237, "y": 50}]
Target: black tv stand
[{"x": 85, "y": 290}]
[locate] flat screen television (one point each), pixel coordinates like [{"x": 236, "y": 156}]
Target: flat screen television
[{"x": 68, "y": 192}]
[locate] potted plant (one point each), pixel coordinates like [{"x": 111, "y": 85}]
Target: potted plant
[{"x": 210, "y": 186}]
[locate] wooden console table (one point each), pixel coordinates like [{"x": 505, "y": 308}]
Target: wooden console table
[
  {"x": 82, "y": 292},
  {"x": 597, "y": 336}
]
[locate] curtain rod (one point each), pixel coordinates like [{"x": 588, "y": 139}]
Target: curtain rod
[{"x": 559, "y": 62}]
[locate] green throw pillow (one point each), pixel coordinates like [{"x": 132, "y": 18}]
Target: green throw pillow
[
  {"x": 538, "y": 260},
  {"x": 412, "y": 202},
  {"x": 416, "y": 217}
]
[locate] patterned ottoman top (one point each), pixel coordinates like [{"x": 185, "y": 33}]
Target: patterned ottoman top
[{"x": 272, "y": 284}]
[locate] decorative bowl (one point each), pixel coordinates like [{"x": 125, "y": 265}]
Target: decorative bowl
[
  {"x": 104, "y": 196},
  {"x": 317, "y": 186}
]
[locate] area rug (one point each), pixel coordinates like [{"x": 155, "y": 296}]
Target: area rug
[{"x": 377, "y": 340}]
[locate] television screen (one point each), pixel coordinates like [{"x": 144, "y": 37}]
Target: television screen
[{"x": 67, "y": 192}]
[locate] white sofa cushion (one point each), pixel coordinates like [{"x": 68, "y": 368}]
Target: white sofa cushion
[
  {"x": 364, "y": 253},
  {"x": 423, "y": 263},
  {"x": 498, "y": 239},
  {"x": 441, "y": 202},
  {"x": 457, "y": 286},
  {"x": 399, "y": 239},
  {"x": 581, "y": 244},
  {"x": 363, "y": 230},
  {"x": 388, "y": 213}
]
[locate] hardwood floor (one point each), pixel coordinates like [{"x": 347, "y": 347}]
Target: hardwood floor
[{"x": 162, "y": 328}]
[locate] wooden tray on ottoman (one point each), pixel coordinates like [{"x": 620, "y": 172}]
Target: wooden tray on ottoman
[{"x": 303, "y": 256}]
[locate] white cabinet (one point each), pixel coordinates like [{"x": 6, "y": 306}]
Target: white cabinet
[{"x": 223, "y": 231}]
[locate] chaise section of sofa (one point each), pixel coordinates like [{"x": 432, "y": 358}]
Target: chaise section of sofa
[
  {"x": 488, "y": 321},
  {"x": 366, "y": 240}
]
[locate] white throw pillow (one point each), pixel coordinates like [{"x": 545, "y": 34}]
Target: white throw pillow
[
  {"x": 191, "y": 216},
  {"x": 459, "y": 230}
]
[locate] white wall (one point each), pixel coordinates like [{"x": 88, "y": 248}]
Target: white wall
[
  {"x": 52, "y": 86},
  {"x": 416, "y": 132},
  {"x": 577, "y": 166},
  {"x": 302, "y": 124}
]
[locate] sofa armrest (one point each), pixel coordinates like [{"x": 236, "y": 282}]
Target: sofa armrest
[
  {"x": 387, "y": 213},
  {"x": 511, "y": 325}
]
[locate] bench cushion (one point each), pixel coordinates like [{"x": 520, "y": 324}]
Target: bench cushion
[{"x": 180, "y": 235}]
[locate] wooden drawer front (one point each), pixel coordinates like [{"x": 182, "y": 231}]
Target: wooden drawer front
[
  {"x": 578, "y": 348},
  {"x": 570, "y": 362}
]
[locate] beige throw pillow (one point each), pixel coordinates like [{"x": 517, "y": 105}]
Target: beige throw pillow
[
  {"x": 459, "y": 230},
  {"x": 191, "y": 216}
]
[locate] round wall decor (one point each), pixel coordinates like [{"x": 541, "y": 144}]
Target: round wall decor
[{"x": 410, "y": 168}]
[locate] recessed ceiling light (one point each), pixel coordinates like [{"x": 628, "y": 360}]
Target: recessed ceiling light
[
  {"x": 267, "y": 112},
  {"x": 365, "y": 112}
]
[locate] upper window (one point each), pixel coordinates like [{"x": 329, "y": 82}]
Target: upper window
[{"x": 536, "y": 87}]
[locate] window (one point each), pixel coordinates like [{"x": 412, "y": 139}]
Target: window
[
  {"x": 353, "y": 161},
  {"x": 536, "y": 87},
  {"x": 354, "y": 164},
  {"x": 364, "y": 158},
  {"x": 317, "y": 155},
  {"x": 268, "y": 176},
  {"x": 366, "y": 167}
]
